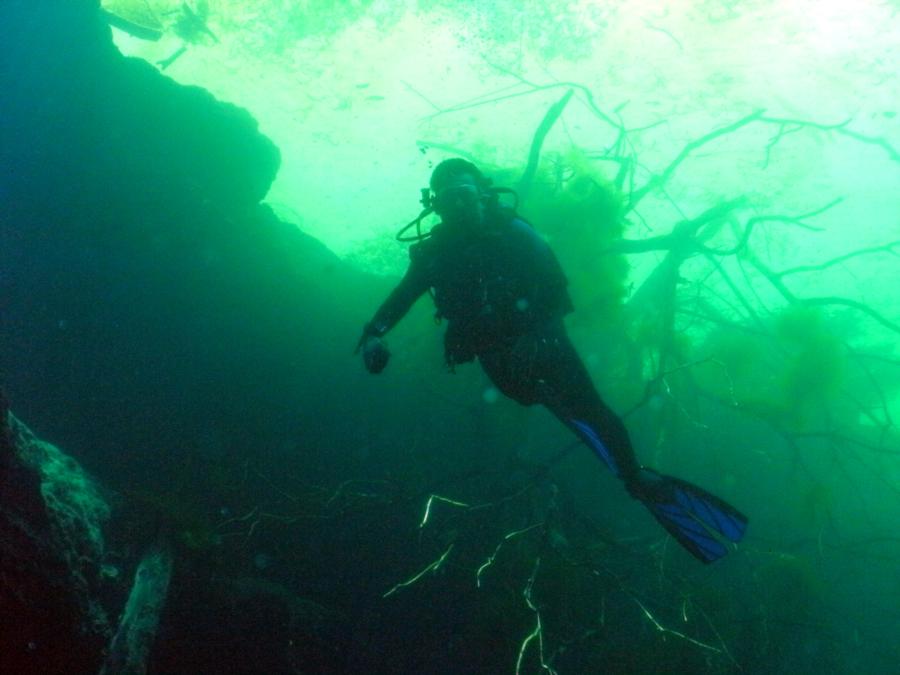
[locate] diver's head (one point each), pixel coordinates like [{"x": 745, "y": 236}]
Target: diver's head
[{"x": 461, "y": 193}]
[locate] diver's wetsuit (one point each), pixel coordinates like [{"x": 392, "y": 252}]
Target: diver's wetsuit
[{"x": 504, "y": 295}]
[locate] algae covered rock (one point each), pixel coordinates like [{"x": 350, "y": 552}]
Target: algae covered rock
[{"x": 51, "y": 553}]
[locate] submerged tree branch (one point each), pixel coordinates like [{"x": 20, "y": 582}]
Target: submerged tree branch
[
  {"x": 775, "y": 280},
  {"x": 660, "y": 180},
  {"x": 534, "y": 155},
  {"x": 885, "y": 248}
]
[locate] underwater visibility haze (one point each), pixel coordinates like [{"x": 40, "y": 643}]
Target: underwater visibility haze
[{"x": 200, "y": 208}]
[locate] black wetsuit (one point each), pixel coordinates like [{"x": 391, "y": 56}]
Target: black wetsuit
[{"x": 503, "y": 294}]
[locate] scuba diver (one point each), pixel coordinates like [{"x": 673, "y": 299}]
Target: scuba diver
[{"x": 504, "y": 295}]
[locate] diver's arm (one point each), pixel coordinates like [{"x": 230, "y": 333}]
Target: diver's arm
[{"x": 398, "y": 303}]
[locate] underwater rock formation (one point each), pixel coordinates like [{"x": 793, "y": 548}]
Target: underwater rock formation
[
  {"x": 153, "y": 311},
  {"x": 137, "y": 261},
  {"x": 82, "y": 121},
  {"x": 130, "y": 647},
  {"x": 51, "y": 558}
]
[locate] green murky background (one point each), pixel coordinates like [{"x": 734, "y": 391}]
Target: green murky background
[{"x": 766, "y": 370}]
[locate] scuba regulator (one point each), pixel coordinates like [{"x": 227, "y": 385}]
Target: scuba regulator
[{"x": 427, "y": 199}]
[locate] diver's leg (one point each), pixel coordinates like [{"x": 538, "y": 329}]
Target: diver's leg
[
  {"x": 565, "y": 388},
  {"x": 543, "y": 367},
  {"x": 701, "y": 522}
]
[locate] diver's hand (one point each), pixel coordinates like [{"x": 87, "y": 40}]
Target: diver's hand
[{"x": 375, "y": 354}]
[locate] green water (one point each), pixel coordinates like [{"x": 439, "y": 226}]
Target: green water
[{"x": 766, "y": 370}]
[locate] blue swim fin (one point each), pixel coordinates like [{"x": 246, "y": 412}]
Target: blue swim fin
[{"x": 698, "y": 520}]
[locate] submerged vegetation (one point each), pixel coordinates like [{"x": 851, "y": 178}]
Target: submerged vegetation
[
  {"x": 710, "y": 349},
  {"x": 582, "y": 214},
  {"x": 791, "y": 379}
]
